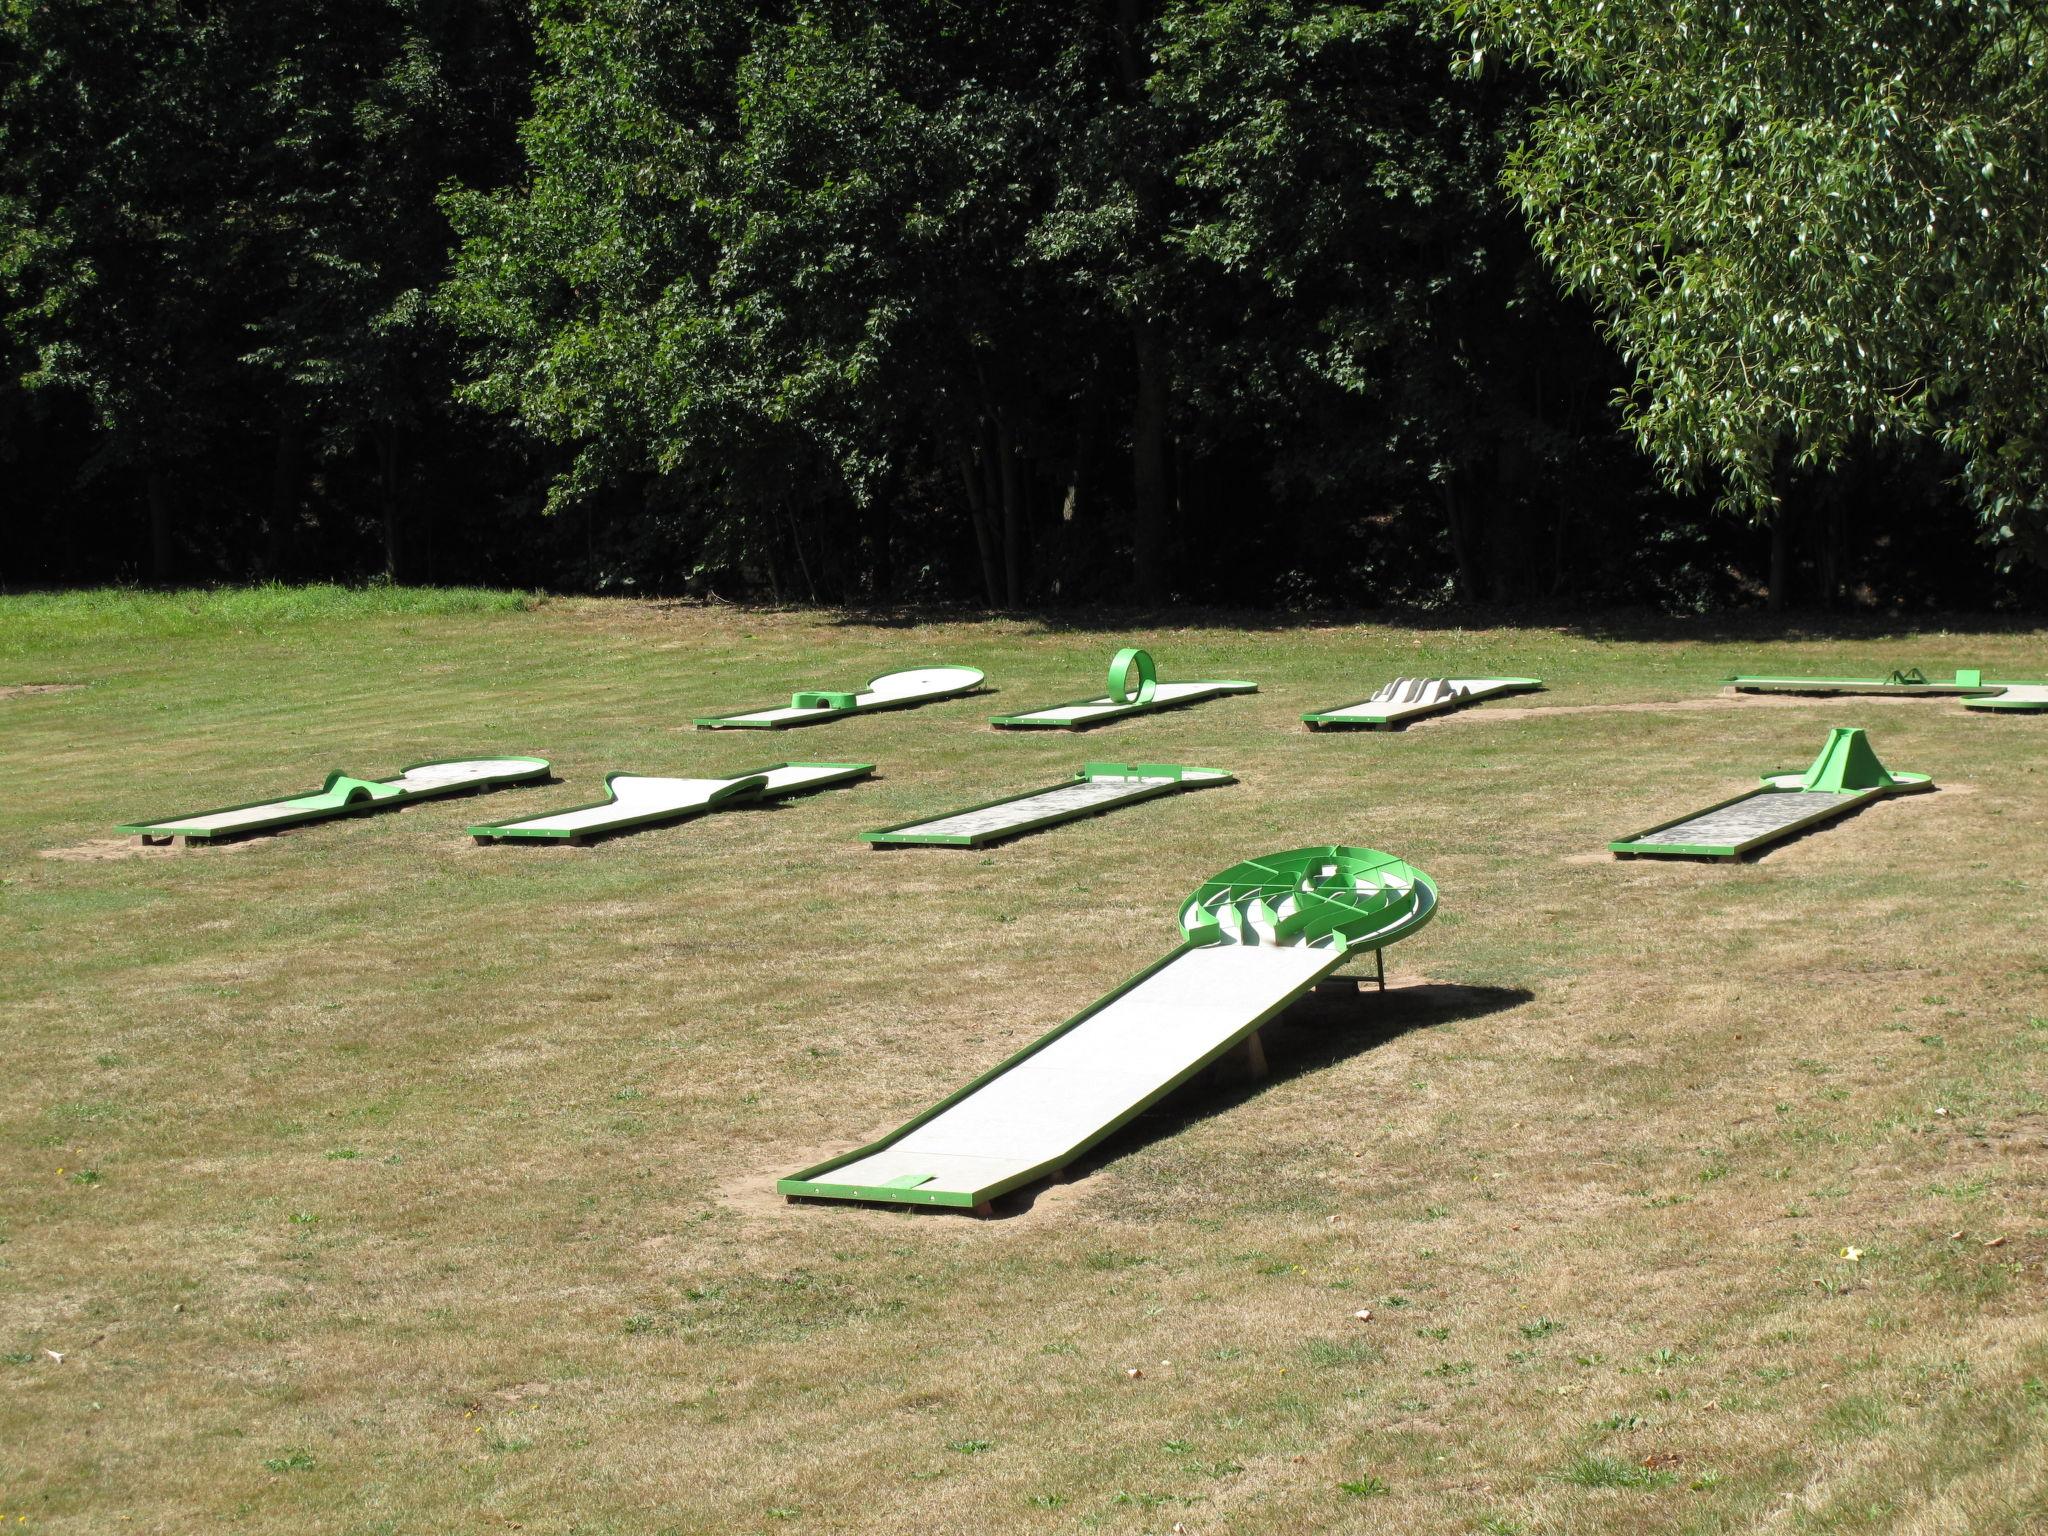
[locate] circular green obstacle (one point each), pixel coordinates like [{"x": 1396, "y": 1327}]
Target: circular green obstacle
[
  {"x": 1126, "y": 661},
  {"x": 1349, "y": 898}
]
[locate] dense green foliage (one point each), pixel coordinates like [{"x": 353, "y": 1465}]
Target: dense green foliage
[
  {"x": 1809, "y": 225},
  {"x": 1219, "y": 300}
]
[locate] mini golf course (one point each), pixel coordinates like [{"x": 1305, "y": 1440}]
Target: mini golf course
[
  {"x": 892, "y": 690},
  {"x": 1096, "y": 789},
  {"x": 1969, "y": 684},
  {"x": 1134, "y": 689},
  {"x": 1844, "y": 778},
  {"x": 641, "y": 800},
  {"x": 1411, "y": 698},
  {"x": 1253, "y": 939},
  {"x": 342, "y": 796}
]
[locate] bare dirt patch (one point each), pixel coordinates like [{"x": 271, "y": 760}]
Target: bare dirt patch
[
  {"x": 98, "y": 850},
  {"x": 22, "y": 690},
  {"x": 1678, "y": 706}
]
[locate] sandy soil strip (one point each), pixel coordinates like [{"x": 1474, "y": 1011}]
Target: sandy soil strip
[
  {"x": 1662, "y": 706},
  {"x": 20, "y": 690},
  {"x": 96, "y": 850}
]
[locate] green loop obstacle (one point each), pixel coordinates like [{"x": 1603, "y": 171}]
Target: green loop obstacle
[{"x": 1126, "y": 661}]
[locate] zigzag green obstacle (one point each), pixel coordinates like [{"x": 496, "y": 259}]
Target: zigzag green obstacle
[
  {"x": 1845, "y": 777},
  {"x": 342, "y": 795},
  {"x": 1096, "y": 789},
  {"x": 1254, "y": 938},
  {"x": 1125, "y": 697},
  {"x": 1411, "y": 698},
  {"x": 642, "y": 800},
  {"x": 892, "y": 690},
  {"x": 1975, "y": 690}
]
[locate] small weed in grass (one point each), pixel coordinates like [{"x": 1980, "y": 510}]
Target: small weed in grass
[
  {"x": 1451, "y": 1368},
  {"x": 1542, "y": 1328},
  {"x": 342, "y": 1154},
  {"x": 1110, "y": 1259},
  {"x": 782, "y": 1512},
  {"x": 19, "y": 1357},
  {"x": 1589, "y": 1471},
  {"x": 1500, "y": 1525},
  {"x": 1621, "y": 1423},
  {"x": 1369, "y": 1486},
  {"x": 969, "y": 1447},
  {"x": 1329, "y": 1352},
  {"x": 304, "y": 1219},
  {"x": 1432, "y": 1333},
  {"x": 300, "y": 1460},
  {"x": 87, "y": 1176},
  {"x": 1045, "y": 1501}
]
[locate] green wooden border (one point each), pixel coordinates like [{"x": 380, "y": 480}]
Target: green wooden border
[
  {"x": 1632, "y": 846},
  {"x": 809, "y": 1184},
  {"x": 157, "y": 828},
  {"x": 737, "y": 789},
  {"x": 1212, "y": 690},
  {"x": 900, "y": 836},
  {"x": 1330, "y": 720},
  {"x": 821, "y": 716}
]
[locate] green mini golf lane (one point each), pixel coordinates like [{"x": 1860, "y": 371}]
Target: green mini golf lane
[
  {"x": 342, "y": 795},
  {"x": 1098, "y": 788},
  {"x": 1413, "y": 698},
  {"x": 1844, "y": 777},
  {"x": 892, "y": 690},
  {"x": 644, "y": 800},
  {"x": 1134, "y": 689},
  {"x": 1254, "y": 938},
  {"x": 1972, "y": 686}
]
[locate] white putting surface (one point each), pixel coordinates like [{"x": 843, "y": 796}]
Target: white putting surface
[
  {"x": 639, "y": 796},
  {"x": 1166, "y": 693},
  {"x": 891, "y": 688},
  {"x": 1756, "y": 816},
  {"x": 1056, "y": 1100},
  {"x": 412, "y": 781},
  {"x": 1064, "y": 799},
  {"x": 1418, "y": 695},
  {"x": 2011, "y": 694}
]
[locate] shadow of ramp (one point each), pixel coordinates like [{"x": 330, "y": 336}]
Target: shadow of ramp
[{"x": 1341, "y": 1018}]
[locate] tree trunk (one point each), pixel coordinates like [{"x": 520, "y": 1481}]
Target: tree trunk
[
  {"x": 1781, "y": 558},
  {"x": 984, "y": 537},
  {"x": 1464, "y": 568},
  {"x": 1013, "y": 516},
  {"x": 284, "y": 497},
  {"x": 162, "y": 551},
  {"x": 387, "y": 495},
  {"x": 1830, "y": 562},
  {"x": 1150, "y": 486}
]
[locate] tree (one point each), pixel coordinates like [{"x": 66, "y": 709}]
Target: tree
[{"x": 1807, "y": 226}]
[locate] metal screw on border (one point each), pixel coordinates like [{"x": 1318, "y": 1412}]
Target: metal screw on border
[{"x": 1127, "y": 660}]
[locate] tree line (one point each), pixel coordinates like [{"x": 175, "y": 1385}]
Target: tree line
[{"x": 1238, "y": 301}]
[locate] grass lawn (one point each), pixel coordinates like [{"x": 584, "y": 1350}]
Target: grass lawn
[{"x": 367, "y": 1180}]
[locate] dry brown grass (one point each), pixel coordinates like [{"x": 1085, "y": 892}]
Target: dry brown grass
[{"x": 431, "y": 1182}]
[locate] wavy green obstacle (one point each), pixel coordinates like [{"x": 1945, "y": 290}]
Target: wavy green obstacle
[
  {"x": 1253, "y": 939},
  {"x": 644, "y": 800},
  {"x": 1844, "y": 778},
  {"x": 1134, "y": 689},
  {"x": 1970, "y": 684},
  {"x": 892, "y": 690},
  {"x": 1413, "y": 698},
  {"x": 342, "y": 795}
]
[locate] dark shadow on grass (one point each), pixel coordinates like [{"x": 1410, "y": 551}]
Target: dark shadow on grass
[
  {"x": 1755, "y": 625},
  {"x": 1337, "y": 1021}
]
